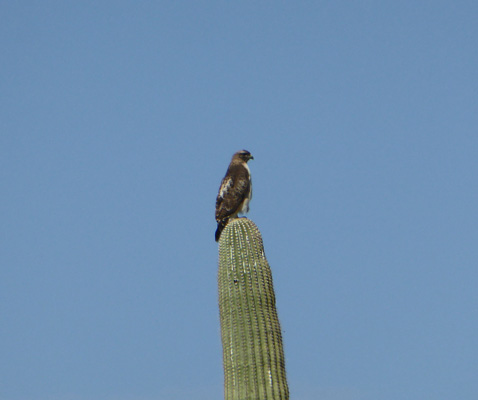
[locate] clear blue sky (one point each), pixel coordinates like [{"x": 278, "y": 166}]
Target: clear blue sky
[{"x": 117, "y": 122}]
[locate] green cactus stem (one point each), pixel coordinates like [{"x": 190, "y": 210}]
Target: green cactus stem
[{"x": 253, "y": 356}]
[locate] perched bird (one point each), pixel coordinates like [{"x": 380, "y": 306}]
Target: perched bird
[{"x": 235, "y": 191}]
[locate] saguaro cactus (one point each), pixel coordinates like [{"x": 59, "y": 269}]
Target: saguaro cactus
[{"x": 253, "y": 356}]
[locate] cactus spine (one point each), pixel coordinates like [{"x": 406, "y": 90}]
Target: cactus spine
[{"x": 253, "y": 356}]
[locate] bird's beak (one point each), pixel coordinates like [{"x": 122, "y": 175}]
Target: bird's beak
[{"x": 251, "y": 158}]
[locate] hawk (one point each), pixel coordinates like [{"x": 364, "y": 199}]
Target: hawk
[{"x": 235, "y": 191}]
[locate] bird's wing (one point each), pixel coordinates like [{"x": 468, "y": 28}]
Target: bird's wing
[{"x": 234, "y": 188}]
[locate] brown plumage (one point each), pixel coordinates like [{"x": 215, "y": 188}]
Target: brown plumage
[{"x": 235, "y": 191}]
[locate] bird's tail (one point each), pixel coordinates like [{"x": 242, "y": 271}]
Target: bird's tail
[{"x": 220, "y": 226}]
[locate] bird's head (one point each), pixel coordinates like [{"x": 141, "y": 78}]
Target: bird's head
[{"x": 244, "y": 155}]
